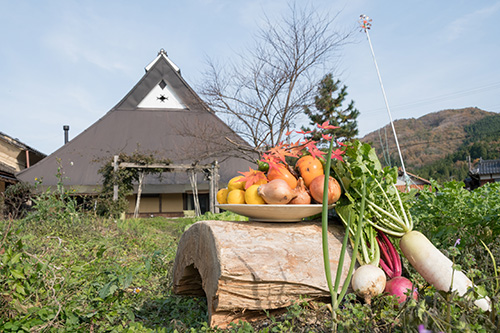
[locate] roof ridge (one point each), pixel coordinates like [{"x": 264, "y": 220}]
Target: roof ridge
[
  {"x": 490, "y": 161},
  {"x": 162, "y": 53},
  {"x": 170, "y": 90}
]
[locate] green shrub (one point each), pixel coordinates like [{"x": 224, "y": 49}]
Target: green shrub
[
  {"x": 14, "y": 202},
  {"x": 452, "y": 213}
]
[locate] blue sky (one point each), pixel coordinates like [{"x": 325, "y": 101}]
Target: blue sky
[{"x": 69, "y": 62}]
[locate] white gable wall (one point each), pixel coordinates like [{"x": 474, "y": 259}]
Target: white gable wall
[{"x": 161, "y": 98}]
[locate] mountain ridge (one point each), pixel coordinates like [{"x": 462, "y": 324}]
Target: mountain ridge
[{"x": 430, "y": 140}]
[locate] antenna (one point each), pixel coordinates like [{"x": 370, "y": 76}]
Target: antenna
[{"x": 366, "y": 24}]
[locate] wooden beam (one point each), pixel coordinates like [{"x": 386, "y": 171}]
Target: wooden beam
[
  {"x": 174, "y": 167},
  {"x": 115, "y": 170}
]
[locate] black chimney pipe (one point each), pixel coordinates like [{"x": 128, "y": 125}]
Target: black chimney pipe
[{"x": 66, "y": 133}]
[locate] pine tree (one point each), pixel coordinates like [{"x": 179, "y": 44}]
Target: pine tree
[{"x": 329, "y": 108}]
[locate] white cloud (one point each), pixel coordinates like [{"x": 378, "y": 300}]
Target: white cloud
[
  {"x": 462, "y": 25},
  {"x": 90, "y": 35}
]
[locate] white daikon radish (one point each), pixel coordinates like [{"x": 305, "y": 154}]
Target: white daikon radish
[{"x": 435, "y": 267}]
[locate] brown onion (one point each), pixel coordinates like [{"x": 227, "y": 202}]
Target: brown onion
[
  {"x": 277, "y": 192},
  {"x": 316, "y": 189},
  {"x": 303, "y": 197}
]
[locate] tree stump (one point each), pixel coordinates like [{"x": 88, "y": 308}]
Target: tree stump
[{"x": 245, "y": 267}]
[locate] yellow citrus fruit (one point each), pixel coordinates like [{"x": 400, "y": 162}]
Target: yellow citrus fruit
[
  {"x": 234, "y": 184},
  {"x": 236, "y": 197},
  {"x": 222, "y": 196},
  {"x": 260, "y": 182},
  {"x": 252, "y": 197}
]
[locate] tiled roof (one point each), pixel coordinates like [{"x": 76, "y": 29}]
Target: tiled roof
[
  {"x": 403, "y": 188},
  {"x": 485, "y": 167}
]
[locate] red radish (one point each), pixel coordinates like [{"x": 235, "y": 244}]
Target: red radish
[
  {"x": 388, "y": 213},
  {"x": 390, "y": 262},
  {"x": 400, "y": 287}
]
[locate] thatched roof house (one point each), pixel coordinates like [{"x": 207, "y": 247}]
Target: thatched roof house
[{"x": 161, "y": 115}]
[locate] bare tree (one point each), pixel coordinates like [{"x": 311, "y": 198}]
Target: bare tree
[{"x": 261, "y": 93}]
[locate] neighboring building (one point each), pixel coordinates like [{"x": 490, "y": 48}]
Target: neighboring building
[
  {"x": 14, "y": 157},
  {"x": 485, "y": 171},
  {"x": 414, "y": 181},
  {"x": 161, "y": 115}
]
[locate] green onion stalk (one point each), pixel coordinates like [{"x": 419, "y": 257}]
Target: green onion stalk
[{"x": 335, "y": 296}]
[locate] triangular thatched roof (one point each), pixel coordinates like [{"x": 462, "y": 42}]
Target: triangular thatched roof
[{"x": 160, "y": 115}]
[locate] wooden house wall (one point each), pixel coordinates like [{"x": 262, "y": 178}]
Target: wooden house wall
[
  {"x": 9, "y": 156},
  {"x": 491, "y": 178},
  {"x": 168, "y": 204}
]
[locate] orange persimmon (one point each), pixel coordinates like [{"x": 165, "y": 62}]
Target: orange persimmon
[
  {"x": 281, "y": 172},
  {"x": 309, "y": 168}
]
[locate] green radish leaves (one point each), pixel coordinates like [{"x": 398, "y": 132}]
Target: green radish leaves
[{"x": 385, "y": 209}]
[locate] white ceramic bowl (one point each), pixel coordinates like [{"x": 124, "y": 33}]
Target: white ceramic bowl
[{"x": 274, "y": 213}]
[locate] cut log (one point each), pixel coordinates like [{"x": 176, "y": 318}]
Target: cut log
[{"x": 245, "y": 267}]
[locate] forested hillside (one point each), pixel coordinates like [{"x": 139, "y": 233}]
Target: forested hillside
[{"x": 439, "y": 144}]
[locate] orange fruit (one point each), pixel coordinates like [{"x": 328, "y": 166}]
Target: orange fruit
[
  {"x": 281, "y": 172},
  {"x": 309, "y": 168}
]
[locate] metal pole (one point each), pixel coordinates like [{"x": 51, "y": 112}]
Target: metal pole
[{"x": 365, "y": 24}]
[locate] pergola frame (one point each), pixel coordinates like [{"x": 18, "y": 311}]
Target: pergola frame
[{"x": 211, "y": 172}]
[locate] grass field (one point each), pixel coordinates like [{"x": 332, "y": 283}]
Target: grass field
[{"x": 64, "y": 271}]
